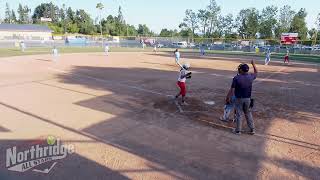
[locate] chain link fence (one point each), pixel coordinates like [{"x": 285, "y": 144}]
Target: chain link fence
[{"x": 238, "y": 45}]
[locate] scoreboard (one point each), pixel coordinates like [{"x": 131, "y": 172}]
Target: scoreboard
[{"x": 289, "y": 38}]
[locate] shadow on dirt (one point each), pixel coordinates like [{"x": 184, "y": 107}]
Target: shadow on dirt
[{"x": 147, "y": 123}]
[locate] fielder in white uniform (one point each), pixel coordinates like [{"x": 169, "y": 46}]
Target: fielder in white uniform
[
  {"x": 55, "y": 52},
  {"x": 155, "y": 49},
  {"x": 268, "y": 56},
  {"x": 106, "y": 49},
  {"x": 177, "y": 57},
  {"x": 22, "y": 46}
]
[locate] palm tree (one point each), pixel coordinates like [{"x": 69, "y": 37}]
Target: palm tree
[{"x": 100, "y": 7}]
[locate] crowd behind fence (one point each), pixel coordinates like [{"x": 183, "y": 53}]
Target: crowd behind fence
[{"x": 244, "y": 45}]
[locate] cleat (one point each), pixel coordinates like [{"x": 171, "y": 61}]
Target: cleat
[{"x": 234, "y": 131}]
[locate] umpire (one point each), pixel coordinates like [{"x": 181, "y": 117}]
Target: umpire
[{"x": 242, "y": 87}]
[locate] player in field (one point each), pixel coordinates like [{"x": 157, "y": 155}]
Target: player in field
[
  {"x": 286, "y": 58},
  {"x": 22, "y": 46},
  {"x": 106, "y": 49},
  {"x": 183, "y": 76},
  {"x": 177, "y": 57},
  {"x": 55, "y": 52},
  {"x": 202, "y": 50},
  {"x": 268, "y": 56},
  {"x": 155, "y": 49}
]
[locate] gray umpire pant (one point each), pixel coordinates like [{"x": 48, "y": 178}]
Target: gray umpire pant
[{"x": 243, "y": 105}]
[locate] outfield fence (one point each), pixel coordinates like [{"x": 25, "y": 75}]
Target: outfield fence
[{"x": 238, "y": 45}]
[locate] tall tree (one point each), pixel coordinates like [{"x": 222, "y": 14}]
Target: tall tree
[
  {"x": 23, "y": 12},
  {"x": 144, "y": 30},
  {"x": 120, "y": 15},
  {"x": 285, "y": 19},
  {"x": 100, "y": 7},
  {"x": 185, "y": 33},
  {"x": 131, "y": 30},
  {"x": 109, "y": 26},
  {"x": 62, "y": 13},
  {"x": 63, "y": 18},
  {"x": 13, "y": 17},
  {"x": 318, "y": 22},
  {"x": 312, "y": 33},
  {"x": 248, "y": 23},
  {"x": 71, "y": 25},
  {"x": 317, "y": 31},
  {"x": 190, "y": 22},
  {"x": 8, "y": 15},
  {"x": 165, "y": 33},
  {"x": 219, "y": 30},
  {"x": 203, "y": 17},
  {"x": 225, "y": 26},
  {"x": 84, "y": 22},
  {"x": 299, "y": 25},
  {"x": 213, "y": 12},
  {"x": 71, "y": 15},
  {"x": 120, "y": 23},
  {"x": 168, "y": 33},
  {"x": 46, "y": 10},
  {"x": 268, "y": 22}
]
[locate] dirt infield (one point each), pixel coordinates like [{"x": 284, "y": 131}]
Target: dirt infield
[{"x": 118, "y": 113}]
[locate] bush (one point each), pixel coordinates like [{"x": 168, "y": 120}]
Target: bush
[{"x": 56, "y": 29}]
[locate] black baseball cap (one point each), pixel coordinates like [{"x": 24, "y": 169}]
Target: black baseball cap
[{"x": 244, "y": 67}]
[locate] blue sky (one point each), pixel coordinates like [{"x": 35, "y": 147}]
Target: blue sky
[{"x": 159, "y": 14}]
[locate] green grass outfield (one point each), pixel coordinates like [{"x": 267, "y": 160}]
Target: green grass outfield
[{"x": 7, "y": 52}]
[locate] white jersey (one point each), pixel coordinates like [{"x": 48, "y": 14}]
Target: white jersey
[
  {"x": 268, "y": 54},
  {"x": 106, "y": 48},
  {"x": 182, "y": 74},
  {"x": 177, "y": 54},
  {"x": 55, "y": 52},
  {"x": 23, "y": 46}
]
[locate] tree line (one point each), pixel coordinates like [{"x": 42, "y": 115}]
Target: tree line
[
  {"x": 250, "y": 23},
  {"x": 67, "y": 20}
]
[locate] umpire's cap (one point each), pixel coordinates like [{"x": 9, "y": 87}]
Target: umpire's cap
[{"x": 244, "y": 67}]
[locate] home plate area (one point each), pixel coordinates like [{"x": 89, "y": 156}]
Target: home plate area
[{"x": 196, "y": 109}]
